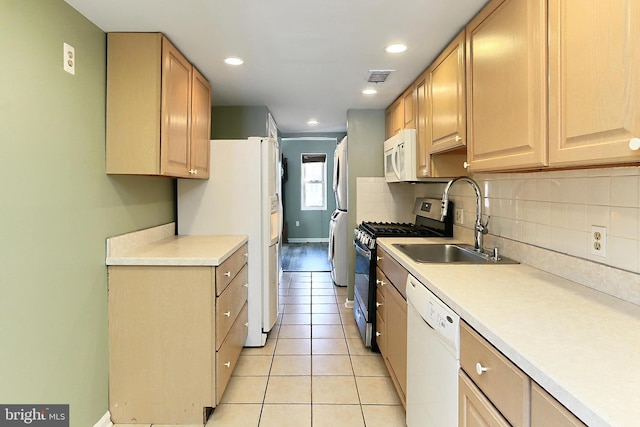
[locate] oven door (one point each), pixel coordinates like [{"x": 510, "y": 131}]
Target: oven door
[{"x": 362, "y": 295}]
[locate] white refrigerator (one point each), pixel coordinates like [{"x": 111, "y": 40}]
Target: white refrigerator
[
  {"x": 242, "y": 196},
  {"x": 339, "y": 243}
]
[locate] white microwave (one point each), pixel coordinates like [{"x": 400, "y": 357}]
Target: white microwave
[{"x": 400, "y": 157}]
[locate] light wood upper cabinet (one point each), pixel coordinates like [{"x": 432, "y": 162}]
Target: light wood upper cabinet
[
  {"x": 423, "y": 139},
  {"x": 158, "y": 109},
  {"x": 447, "y": 97},
  {"x": 394, "y": 118},
  {"x": 408, "y": 108},
  {"x": 506, "y": 86},
  {"x": 594, "y": 79}
]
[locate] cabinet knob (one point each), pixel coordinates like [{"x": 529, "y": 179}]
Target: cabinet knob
[
  {"x": 378, "y": 304},
  {"x": 246, "y": 255},
  {"x": 195, "y": 171},
  {"x": 227, "y": 364},
  {"x": 228, "y": 314},
  {"x": 634, "y": 144},
  {"x": 458, "y": 138},
  {"x": 480, "y": 369},
  {"x": 466, "y": 165},
  {"x": 378, "y": 334},
  {"x": 228, "y": 274},
  {"x": 246, "y": 285},
  {"x": 191, "y": 171},
  {"x": 380, "y": 282},
  {"x": 246, "y": 325},
  {"x": 378, "y": 258}
]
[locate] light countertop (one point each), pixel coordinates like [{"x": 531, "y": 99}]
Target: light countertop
[
  {"x": 179, "y": 250},
  {"x": 580, "y": 344}
]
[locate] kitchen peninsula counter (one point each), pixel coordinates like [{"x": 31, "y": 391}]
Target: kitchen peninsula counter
[{"x": 580, "y": 344}]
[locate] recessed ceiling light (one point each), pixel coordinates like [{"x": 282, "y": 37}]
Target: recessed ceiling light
[
  {"x": 369, "y": 91},
  {"x": 234, "y": 61},
  {"x": 312, "y": 122},
  {"x": 395, "y": 48}
]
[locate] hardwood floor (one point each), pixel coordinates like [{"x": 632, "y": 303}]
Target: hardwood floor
[{"x": 305, "y": 257}]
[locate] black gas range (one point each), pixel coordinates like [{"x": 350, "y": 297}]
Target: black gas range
[{"x": 428, "y": 223}]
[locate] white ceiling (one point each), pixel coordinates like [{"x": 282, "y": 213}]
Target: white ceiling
[{"x": 303, "y": 59}]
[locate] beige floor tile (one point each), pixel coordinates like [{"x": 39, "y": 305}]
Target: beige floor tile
[
  {"x": 341, "y": 291},
  {"x": 337, "y": 416},
  {"x": 132, "y": 425},
  {"x": 253, "y": 366},
  {"x": 266, "y": 350},
  {"x": 296, "y": 319},
  {"x": 299, "y": 284},
  {"x": 295, "y": 331},
  {"x": 291, "y": 365},
  {"x": 369, "y": 366},
  {"x": 325, "y": 319},
  {"x": 325, "y": 308},
  {"x": 377, "y": 391},
  {"x": 334, "y": 390},
  {"x": 327, "y": 331},
  {"x": 351, "y": 331},
  {"x": 329, "y": 346},
  {"x": 300, "y": 292},
  {"x": 293, "y": 346},
  {"x": 331, "y": 365},
  {"x": 288, "y": 389},
  {"x": 235, "y": 415},
  {"x": 286, "y": 416},
  {"x": 245, "y": 390},
  {"x": 323, "y": 299},
  {"x": 298, "y": 299},
  {"x": 323, "y": 291},
  {"x": 296, "y": 308},
  {"x": 357, "y": 347},
  {"x": 384, "y": 415},
  {"x": 323, "y": 285}
]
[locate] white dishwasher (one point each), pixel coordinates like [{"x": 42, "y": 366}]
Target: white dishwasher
[{"x": 433, "y": 359}]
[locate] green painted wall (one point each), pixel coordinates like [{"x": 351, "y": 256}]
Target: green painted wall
[
  {"x": 365, "y": 130},
  {"x": 314, "y": 225},
  {"x": 238, "y": 122},
  {"x": 57, "y": 208}
]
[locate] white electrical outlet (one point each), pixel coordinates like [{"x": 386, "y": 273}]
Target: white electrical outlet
[
  {"x": 297, "y": 223},
  {"x": 459, "y": 218},
  {"x": 598, "y": 241},
  {"x": 69, "y": 59}
]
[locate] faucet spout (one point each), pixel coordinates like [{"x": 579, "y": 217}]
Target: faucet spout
[{"x": 480, "y": 229}]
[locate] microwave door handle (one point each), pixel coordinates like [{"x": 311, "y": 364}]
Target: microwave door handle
[{"x": 395, "y": 157}]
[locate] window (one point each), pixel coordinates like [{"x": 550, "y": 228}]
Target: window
[{"x": 314, "y": 182}]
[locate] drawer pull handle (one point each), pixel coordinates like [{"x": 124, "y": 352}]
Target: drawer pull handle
[
  {"x": 380, "y": 282},
  {"x": 378, "y": 334},
  {"x": 378, "y": 304},
  {"x": 227, "y": 364},
  {"x": 228, "y": 314},
  {"x": 246, "y": 325},
  {"x": 246, "y": 285},
  {"x": 378, "y": 258},
  {"x": 228, "y": 274},
  {"x": 480, "y": 369}
]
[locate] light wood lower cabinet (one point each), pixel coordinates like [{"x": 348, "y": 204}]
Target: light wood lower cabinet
[
  {"x": 173, "y": 341},
  {"x": 474, "y": 409},
  {"x": 391, "y": 319},
  {"x": 548, "y": 412}
]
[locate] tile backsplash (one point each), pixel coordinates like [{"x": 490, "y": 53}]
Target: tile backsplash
[{"x": 549, "y": 214}]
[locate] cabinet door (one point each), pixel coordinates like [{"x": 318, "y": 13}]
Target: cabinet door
[
  {"x": 448, "y": 98},
  {"x": 423, "y": 132},
  {"x": 474, "y": 409},
  {"x": 394, "y": 118},
  {"x": 200, "y": 126},
  {"x": 548, "y": 412},
  {"x": 396, "y": 312},
  {"x": 506, "y": 86},
  {"x": 408, "y": 108},
  {"x": 594, "y": 81},
  {"x": 176, "y": 112}
]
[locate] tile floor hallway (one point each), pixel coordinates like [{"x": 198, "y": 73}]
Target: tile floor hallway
[{"x": 313, "y": 371}]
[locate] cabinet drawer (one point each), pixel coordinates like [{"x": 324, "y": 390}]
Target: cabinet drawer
[
  {"x": 393, "y": 270},
  {"x": 226, "y": 271},
  {"x": 502, "y": 382},
  {"x": 548, "y": 412},
  {"x": 381, "y": 334},
  {"x": 229, "y": 304},
  {"x": 473, "y": 407},
  {"x": 380, "y": 304},
  {"x": 227, "y": 356}
]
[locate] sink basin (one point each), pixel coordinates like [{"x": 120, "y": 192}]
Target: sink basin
[{"x": 448, "y": 253}]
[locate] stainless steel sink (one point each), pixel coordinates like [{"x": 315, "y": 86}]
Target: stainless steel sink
[{"x": 449, "y": 253}]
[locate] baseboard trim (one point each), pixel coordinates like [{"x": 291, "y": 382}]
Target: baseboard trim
[
  {"x": 105, "y": 421},
  {"x": 307, "y": 240}
]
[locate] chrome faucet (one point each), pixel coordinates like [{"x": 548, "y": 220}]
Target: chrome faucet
[{"x": 480, "y": 229}]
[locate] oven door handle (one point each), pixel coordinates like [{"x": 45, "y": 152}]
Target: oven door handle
[{"x": 364, "y": 252}]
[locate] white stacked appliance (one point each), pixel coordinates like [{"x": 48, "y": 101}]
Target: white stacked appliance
[
  {"x": 339, "y": 236},
  {"x": 242, "y": 196}
]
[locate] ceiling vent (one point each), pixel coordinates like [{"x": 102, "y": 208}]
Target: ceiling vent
[{"x": 378, "y": 76}]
